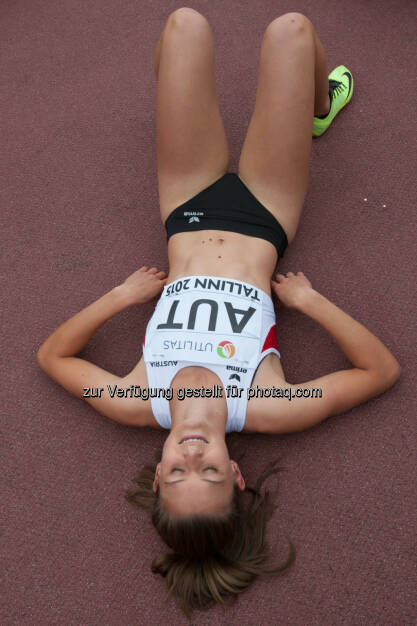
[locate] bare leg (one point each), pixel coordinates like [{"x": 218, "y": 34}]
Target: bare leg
[
  {"x": 293, "y": 87},
  {"x": 191, "y": 140}
]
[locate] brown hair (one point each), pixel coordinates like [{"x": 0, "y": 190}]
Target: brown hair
[{"x": 213, "y": 556}]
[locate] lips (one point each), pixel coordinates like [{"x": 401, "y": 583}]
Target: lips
[{"x": 193, "y": 437}]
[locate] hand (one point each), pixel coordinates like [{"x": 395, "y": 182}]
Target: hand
[
  {"x": 143, "y": 285},
  {"x": 292, "y": 290}
]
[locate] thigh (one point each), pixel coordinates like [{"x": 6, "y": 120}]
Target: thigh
[
  {"x": 191, "y": 141},
  {"x": 275, "y": 157}
]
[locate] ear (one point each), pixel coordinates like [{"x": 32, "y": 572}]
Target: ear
[
  {"x": 156, "y": 480},
  {"x": 239, "y": 478}
]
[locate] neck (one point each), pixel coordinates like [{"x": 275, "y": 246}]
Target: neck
[{"x": 197, "y": 412}]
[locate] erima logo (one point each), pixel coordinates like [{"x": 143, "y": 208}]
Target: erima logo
[
  {"x": 236, "y": 369},
  {"x": 193, "y": 219},
  {"x": 187, "y": 213}
]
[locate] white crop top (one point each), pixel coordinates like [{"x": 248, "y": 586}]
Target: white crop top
[{"x": 222, "y": 324}]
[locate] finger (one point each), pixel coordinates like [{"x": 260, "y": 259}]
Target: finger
[
  {"x": 300, "y": 274},
  {"x": 153, "y": 270},
  {"x": 144, "y": 268},
  {"x": 160, "y": 274},
  {"x": 280, "y": 277},
  {"x": 161, "y": 285},
  {"x": 290, "y": 274}
]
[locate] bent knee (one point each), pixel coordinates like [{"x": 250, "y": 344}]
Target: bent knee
[
  {"x": 289, "y": 26},
  {"x": 185, "y": 16}
]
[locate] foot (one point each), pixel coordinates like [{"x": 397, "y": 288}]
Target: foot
[
  {"x": 325, "y": 109},
  {"x": 340, "y": 93}
]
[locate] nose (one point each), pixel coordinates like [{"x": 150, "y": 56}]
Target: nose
[
  {"x": 193, "y": 448},
  {"x": 193, "y": 451}
]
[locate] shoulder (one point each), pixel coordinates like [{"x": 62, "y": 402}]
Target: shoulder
[
  {"x": 139, "y": 408},
  {"x": 268, "y": 375}
]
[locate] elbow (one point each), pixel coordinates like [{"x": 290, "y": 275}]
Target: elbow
[
  {"x": 396, "y": 373},
  {"x": 42, "y": 358},
  {"x": 384, "y": 377},
  {"x": 391, "y": 374}
]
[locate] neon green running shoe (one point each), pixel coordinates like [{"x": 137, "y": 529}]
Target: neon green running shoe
[{"x": 340, "y": 92}]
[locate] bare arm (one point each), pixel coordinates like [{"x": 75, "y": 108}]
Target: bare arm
[
  {"x": 374, "y": 369},
  {"x": 56, "y": 356}
]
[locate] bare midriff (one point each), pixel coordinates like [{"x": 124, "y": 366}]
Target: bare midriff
[{"x": 222, "y": 253}]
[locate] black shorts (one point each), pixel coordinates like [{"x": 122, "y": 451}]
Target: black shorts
[{"x": 229, "y": 205}]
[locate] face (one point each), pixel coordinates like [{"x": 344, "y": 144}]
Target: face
[{"x": 196, "y": 476}]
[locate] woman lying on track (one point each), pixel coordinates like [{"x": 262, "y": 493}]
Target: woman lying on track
[{"x": 210, "y": 361}]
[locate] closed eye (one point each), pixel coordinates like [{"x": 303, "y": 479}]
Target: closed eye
[{"x": 178, "y": 469}]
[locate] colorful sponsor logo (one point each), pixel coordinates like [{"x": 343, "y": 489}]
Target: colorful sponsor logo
[{"x": 226, "y": 349}]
